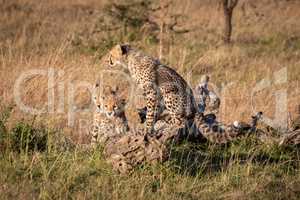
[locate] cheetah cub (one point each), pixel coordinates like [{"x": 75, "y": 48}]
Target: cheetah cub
[
  {"x": 159, "y": 82},
  {"x": 109, "y": 116}
]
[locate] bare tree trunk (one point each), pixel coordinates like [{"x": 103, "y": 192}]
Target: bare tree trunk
[
  {"x": 228, "y": 6},
  {"x": 227, "y": 25}
]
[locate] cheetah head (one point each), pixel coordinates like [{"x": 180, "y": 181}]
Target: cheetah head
[
  {"x": 118, "y": 54},
  {"x": 108, "y": 101}
]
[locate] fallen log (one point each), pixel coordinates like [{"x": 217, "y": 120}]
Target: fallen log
[{"x": 126, "y": 152}]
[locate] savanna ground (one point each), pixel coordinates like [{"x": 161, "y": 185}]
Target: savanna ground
[{"x": 66, "y": 40}]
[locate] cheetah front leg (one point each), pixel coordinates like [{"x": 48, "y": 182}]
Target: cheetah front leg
[
  {"x": 94, "y": 133},
  {"x": 151, "y": 98}
]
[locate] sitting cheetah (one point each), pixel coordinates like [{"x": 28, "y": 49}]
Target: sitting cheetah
[
  {"x": 159, "y": 82},
  {"x": 203, "y": 94},
  {"x": 109, "y": 116}
]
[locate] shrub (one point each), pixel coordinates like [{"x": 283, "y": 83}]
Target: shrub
[
  {"x": 127, "y": 21},
  {"x": 24, "y": 137}
]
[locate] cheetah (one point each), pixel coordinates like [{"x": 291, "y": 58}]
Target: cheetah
[
  {"x": 221, "y": 134},
  {"x": 203, "y": 94},
  {"x": 109, "y": 116},
  {"x": 159, "y": 82}
]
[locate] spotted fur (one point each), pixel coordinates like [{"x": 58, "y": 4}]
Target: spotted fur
[
  {"x": 159, "y": 82},
  {"x": 109, "y": 116},
  {"x": 218, "y": 133}
]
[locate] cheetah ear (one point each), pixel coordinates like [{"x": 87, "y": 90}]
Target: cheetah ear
[{"x": 123, "y": 49}]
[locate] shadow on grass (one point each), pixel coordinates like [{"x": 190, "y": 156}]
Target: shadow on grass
[{"x": 196, "y": 159}]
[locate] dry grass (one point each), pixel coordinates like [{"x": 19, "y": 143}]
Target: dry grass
[
  {"x": 266, "y": 39},
  {"x": 63, "y": 35}
]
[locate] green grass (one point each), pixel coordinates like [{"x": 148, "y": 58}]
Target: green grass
[{"x": 244, "y": 169}]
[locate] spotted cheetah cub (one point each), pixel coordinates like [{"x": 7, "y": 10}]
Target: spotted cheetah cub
[
  {"x": 216, "y": 132},
  {"x": 159, "y": 82},
  {"x": 109, "y": 116}
]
